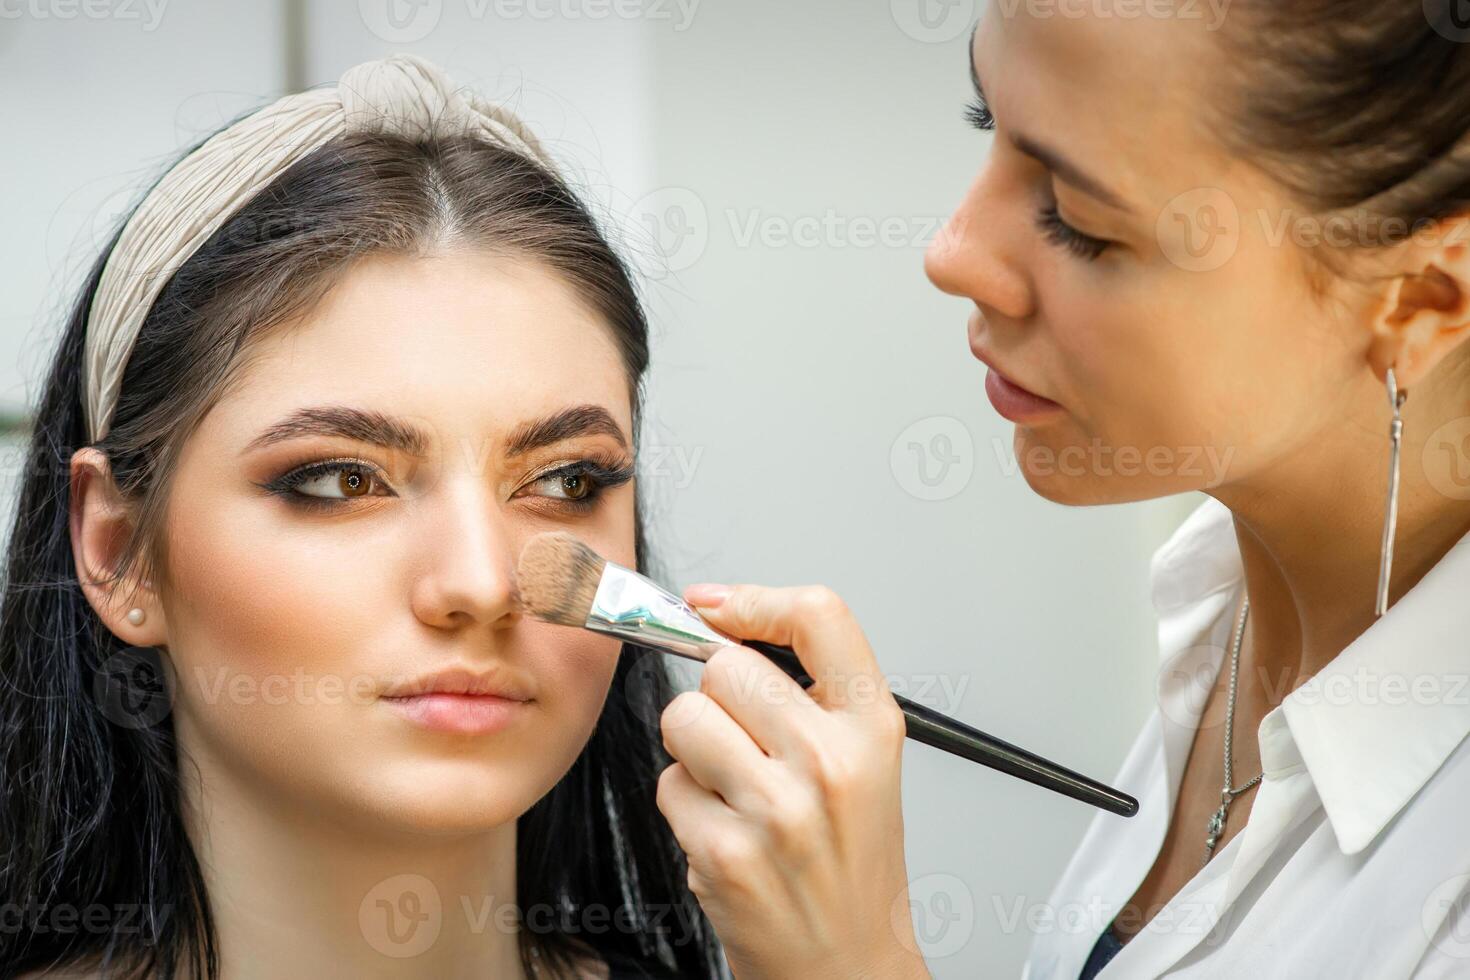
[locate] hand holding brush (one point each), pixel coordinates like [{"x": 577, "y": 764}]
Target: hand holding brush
[{"x": 563, "y": 581}]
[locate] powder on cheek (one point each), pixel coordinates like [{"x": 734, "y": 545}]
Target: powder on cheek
[
  {"x": 574, "y": 668},
  {"x": 251, "y": 598}
]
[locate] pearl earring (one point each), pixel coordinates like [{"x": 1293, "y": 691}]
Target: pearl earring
[{"x": 135, "y": 616}]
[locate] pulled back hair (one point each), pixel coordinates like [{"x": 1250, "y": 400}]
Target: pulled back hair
[
  {"x": 1360, "y": 108},
  {"x": 90, "y": 808}
]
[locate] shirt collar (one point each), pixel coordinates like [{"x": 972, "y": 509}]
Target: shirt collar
[
  {"x": 1199, "y": 559},
  {"x": 1374, "y": 724}
]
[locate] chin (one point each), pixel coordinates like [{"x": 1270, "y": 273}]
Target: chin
[
  {"x": 1072, "y": 476},
  {"x": 455, "y": 796},
  {"x": 1040, "y": 465},
  {"x": 1072, "y": 491}
]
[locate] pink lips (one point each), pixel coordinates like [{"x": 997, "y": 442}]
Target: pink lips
[
  {"x": 1013, "y": 402},
  {"x": 1016, "y": 403},
  {"x": 461, "y": 700},
  {"x": 465, "y": 714}
]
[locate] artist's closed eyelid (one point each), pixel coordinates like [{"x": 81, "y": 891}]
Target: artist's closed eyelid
[{"x": 1060, "y": 232}]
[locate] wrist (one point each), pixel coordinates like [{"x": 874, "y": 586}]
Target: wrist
[{"x": 898, "y": 961}]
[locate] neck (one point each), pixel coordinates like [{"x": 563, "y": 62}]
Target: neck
[
  {"x": 300, "y": 891},
  {"x": 1310, "y": 532}
]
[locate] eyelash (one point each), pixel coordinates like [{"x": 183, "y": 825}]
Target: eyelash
[
  {"x": 602, "y": 477},
  {"x": 977, "y": 114},
  {"x": 285, "y": 485},
  {"x": 1058, "y": 232},
  {"x": 1048, "y": 219}
]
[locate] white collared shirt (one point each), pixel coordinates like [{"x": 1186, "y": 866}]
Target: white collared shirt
[{"x": 1355, "y": 857}]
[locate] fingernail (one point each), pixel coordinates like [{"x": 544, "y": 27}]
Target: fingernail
[{"x": 706, "y": 595}]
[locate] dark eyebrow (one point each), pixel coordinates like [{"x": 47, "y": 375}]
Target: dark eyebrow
[
  {"x": 1046, "y": 156},
  {"x": 351, "y": 423},
  {"x": 364, "y": 425},
  {"x": 975, "y": 72},
  {"x": 583, "y": 420}
]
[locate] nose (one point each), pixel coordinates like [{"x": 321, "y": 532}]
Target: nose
[
  {"x": 978, "y": 253},
  {"x": 466, "y": 562}
]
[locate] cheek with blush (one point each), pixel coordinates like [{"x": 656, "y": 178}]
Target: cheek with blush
[
  {"x": 274, "y": 698},
  {"x": 302, "y": 607},
  {"x": 575, "y": 668},
  {"x": 273, "y": 637}
]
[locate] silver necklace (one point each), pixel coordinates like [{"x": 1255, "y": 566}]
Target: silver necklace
[{"x": 1227, "y": 795}]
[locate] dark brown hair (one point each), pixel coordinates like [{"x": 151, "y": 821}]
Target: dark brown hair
[
  {"x": 89, "y": 778},
  {"x": 1360, "y": 108}
]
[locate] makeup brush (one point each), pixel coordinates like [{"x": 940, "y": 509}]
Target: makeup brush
[{"x": 561, "y": 580}]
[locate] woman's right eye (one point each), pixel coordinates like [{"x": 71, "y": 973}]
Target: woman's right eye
[{"x": 329, "y": 484}]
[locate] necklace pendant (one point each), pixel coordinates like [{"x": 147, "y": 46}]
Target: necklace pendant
[{"x": 1216, "y": 828}]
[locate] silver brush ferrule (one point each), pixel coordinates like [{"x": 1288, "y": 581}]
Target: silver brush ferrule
[{"x": 635, "y": 608}]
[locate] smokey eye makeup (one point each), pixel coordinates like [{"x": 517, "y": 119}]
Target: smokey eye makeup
[
  {"x": 311, "y": 485},
  {"x": 578, "y": 485},
  {"x": 573, "y": 486}
]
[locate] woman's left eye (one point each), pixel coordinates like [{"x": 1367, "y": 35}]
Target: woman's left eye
[
  {"x": 570, "y": 486},
  {"x": 577, "y": 484}
]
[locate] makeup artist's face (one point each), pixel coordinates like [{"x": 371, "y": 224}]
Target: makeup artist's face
[
  {"x": 318, "y": 559},
  {"x": 1170, "y": 353}
]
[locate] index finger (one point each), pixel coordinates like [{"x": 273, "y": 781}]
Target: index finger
[{"x": 814, "y": 622}]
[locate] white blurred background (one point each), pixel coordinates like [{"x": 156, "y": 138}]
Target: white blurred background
[{"x": 775, "y": 168}]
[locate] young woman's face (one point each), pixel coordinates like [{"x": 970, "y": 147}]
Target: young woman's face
[
  {"x": 346, "y": 522},
  {"x": 1186, "y": 352}
]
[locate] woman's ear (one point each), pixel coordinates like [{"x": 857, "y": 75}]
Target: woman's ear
[
  {"x": 1423, "y": 313},
  {"x": 100, "y": 524}
]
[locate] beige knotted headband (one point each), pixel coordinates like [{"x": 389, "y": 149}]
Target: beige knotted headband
[{"x": 403, "y": 95}]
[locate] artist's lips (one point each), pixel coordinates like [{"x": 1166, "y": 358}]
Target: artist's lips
[
  {"x": 460, "y": 700},
  {"x": 1011, "y": 400}
]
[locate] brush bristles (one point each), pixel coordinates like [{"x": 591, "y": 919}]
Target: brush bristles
[{"x": 558, "y": 578}]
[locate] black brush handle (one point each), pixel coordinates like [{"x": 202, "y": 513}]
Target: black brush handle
[{"x": 955, "y": 737}]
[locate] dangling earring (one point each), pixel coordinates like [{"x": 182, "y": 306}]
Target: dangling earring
[
  {"x": 1391, "y": 517},
  {"x": 136, "y": 616}
]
